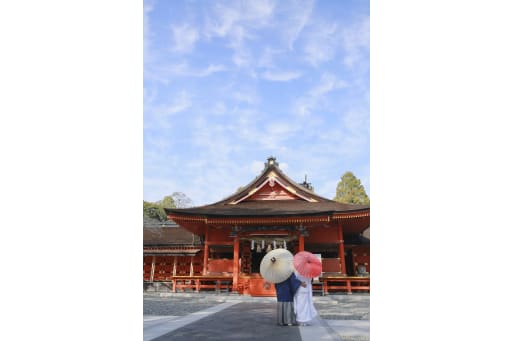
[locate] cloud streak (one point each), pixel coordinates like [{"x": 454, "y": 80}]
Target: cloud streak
[
  {"x": 322, "y": 43},
  {"x": 280, "y": 76},
  {"x": 298, "y": 14},
  {"x": 356, "y": 42},
  {"x": 306, "y": 105},
  {"x": 184, "y": 38}
]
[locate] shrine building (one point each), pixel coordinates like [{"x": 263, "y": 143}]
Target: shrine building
[{"x": 220, "y": 246}]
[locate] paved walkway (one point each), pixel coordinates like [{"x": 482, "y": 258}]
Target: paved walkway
[{"x": 228, "y": 317}]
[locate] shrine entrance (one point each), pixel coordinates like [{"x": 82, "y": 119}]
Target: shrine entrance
[{"x": 255, "y": 248}]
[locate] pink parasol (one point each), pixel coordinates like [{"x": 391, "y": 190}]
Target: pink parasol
[
  {"x": 307, "y": 264},
  {"x": 276, "y": 266}
]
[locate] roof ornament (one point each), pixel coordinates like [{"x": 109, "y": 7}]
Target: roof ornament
[
  {"x": 307, "y": 184},
  {"x": 271, "y": 161}
]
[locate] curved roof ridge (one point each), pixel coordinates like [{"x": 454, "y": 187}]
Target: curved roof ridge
[{"x": 270, "y": 166}]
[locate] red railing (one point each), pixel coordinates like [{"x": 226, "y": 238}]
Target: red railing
[{"x": 325, "y": 284}]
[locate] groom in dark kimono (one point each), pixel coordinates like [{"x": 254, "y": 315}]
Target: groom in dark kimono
[{"x": 285, "y": 292}]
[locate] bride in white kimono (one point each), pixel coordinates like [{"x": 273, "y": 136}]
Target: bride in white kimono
[{"x": 303, "y": 301}]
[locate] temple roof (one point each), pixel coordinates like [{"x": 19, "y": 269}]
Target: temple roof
[
  {"x": 168, "y": 233},
  {"x": 269, "y": 208},
  {"x": 271, "y": 194},
  {"x": 155, "y": 223}
]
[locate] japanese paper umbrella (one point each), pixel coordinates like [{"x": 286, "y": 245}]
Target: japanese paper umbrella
[
  {"x": 276, "y": 266},
  {"x": 307, "y": 264}
]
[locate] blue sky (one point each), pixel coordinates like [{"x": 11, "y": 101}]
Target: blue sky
[{"x": 229, "y": 83}]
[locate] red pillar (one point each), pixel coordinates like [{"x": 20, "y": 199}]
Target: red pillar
[
  {"x": 341, "y": 249},
  {"x": 206, "y": 251},
  {"x": 301, "y": 242},
  {"x": 236, "y": 255}
]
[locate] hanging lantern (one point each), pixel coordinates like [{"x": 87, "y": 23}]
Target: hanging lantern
[
  {"x": 284, "y": 244},
  {"x": 269, "y": 248},
  {"x": 274, "y": 244},
  {"x": 263, "y": 244},
  {"x": 252, "y": 244}
]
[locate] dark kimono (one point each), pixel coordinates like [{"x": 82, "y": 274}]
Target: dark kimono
[{"x": 285, "y": 292}]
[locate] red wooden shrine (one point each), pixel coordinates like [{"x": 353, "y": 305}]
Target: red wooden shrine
[{"x": 220, "y": 246}]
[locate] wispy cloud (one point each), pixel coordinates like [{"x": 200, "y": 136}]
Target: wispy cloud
[
  {"x": 328, "y": 83},
  {"x": 356, "y": 42},
  {"x": 211, "y": 69},
  {"x": 184, "y": 38},
  {"x": 157, "y": 147},
  {"x": 280, "y": 76},
  {"x": 322, "y": 43},
  {"x": 266, "y": 60},
  {"x": 242, "y": 56},
  {"x": 221, "y": 19},
  {"x": 157, "y": 113},
  {"x": 166, "y": 72},
  {"x": 247, "y": 96},
  {"x": 180, "y": 103},
  {"x": 226, "y": 18},
  {"x": 304, "y": 106},
  {"x": 357, "y": 121},
  {"x": 218, "y": 109},
  {"x": 276, "y": 133},
  {"x": 237, "y": 22},
  {"x": 326, "y": 41},
  {"x": 297, "y": 15},
  {"x": 256, "y": 167},
  {"x": 148, "y": 36}
]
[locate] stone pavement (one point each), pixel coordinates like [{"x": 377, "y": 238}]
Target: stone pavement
[{"x": 209, "y": 316}]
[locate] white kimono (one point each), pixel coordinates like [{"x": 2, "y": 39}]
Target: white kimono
[{"x": 303, "y": 301}]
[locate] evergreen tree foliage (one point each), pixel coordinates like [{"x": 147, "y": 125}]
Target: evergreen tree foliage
[
  {"x": 154, "y": 210},
  {"x": 167, "y": 202},
  {"x": 350, "y": 190}
]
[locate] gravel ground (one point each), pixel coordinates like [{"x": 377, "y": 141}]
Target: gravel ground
[
  {"x": 343, "y": 307},
  {"x": 332, "y": 307},
  {"x": 178, "y": 305}
]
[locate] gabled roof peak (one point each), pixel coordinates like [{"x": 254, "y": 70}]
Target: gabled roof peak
[{"x": 262, "y": 187}]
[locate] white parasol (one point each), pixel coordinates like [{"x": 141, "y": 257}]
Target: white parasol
[{"x": 277, "y": 265}]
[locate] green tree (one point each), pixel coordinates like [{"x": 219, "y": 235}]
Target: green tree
[
  {"x": 154, "y": 210},
  {"x": 350, "y": 190},
  {"x": 167, "y": 202}
]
